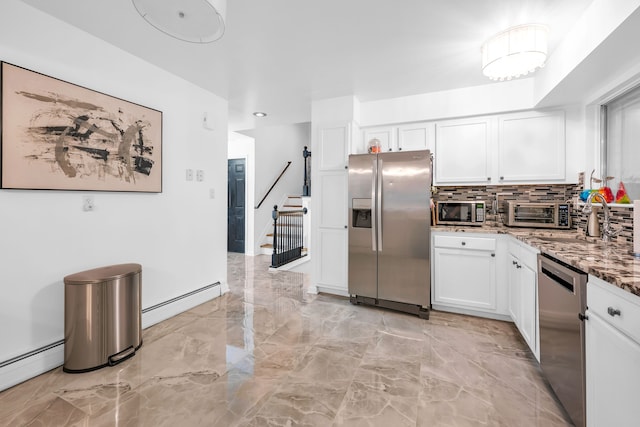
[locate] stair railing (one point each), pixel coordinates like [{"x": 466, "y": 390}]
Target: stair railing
[
  {"x": 273, "y": 185},
  {"x": 288, "y": 235}
]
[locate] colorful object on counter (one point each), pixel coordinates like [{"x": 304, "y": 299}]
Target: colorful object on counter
[
  {"x": 584, "y": 195},
  {"x": 621, "y": 195},
  {"x": 605, "y": 190},
  {"x": 606, "y": 193}
]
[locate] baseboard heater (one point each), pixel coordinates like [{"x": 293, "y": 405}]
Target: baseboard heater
[
  {"x": 181, "y": 297},
  {"x": 53, "y": 353}
]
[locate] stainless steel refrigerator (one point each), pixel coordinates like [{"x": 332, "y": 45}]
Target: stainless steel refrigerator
[{"x": 389, "y": 230}]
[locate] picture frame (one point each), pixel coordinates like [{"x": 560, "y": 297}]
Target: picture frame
[{"x": 57, "y": 135}]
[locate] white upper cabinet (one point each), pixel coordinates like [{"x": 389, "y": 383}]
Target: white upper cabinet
[
  {"x": 531, "y": 147},
  {"x": 333, "y": 148},
  {"x": 518, "y": 148},
  {"x": 418, "y": 136},
  {"x": 410, "y": 137},
  {"x": 462, "y": 152},
  {"x": 385, "y": 135}
]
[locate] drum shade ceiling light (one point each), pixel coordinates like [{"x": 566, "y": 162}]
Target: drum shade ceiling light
[
  {"x": 195, "y": 21},
  {"x": 515, "y": 52}
]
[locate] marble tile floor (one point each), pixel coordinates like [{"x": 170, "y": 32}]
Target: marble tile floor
[{"x": 269, "y": 354}]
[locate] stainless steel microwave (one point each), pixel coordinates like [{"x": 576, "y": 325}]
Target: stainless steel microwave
[
  {"x": 537, "y": 214},
  {"x": 460, "y": 212}
]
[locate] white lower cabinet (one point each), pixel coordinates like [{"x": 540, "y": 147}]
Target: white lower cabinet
[
  {"x": 612, "y": 355},
  {"x": 523, "y": 292},
  {"x": 466, "y": 277}
]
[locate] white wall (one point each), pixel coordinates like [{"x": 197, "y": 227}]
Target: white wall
[
  {"x": 274, "y": 147},
  {"x": 243, "y": 147},
  {"x": 179, "y": 235},
  {"x": 491, "y": 98}
]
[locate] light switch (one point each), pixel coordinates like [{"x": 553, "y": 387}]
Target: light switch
[{"x": 199, "y": 175}]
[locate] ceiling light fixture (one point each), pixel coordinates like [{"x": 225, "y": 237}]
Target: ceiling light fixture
[
  {"x": 260, "y": 114},
  {"x": 195, "y": 21},
  {"x": 515, "y": 52}
]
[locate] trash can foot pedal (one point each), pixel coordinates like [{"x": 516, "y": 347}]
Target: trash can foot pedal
[{"x": 123, "y": 355}]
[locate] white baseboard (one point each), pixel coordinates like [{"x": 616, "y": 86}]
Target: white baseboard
[
  {"x": 34, "y": 363},
  {"x": 469, "y": 312},
  {"x": 332, "y": 290}
]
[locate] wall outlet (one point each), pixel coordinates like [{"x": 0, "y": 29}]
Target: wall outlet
[
  {"x": 87, "y": 204},
  {"x": 189, "y": 175},
  {"x": 199, "y": 175}
]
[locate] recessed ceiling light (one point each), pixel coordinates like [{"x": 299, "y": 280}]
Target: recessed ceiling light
[{"x": 260, "y": 114}]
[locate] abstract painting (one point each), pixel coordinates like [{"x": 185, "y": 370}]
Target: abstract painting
[{"x": 60, "y": 136}]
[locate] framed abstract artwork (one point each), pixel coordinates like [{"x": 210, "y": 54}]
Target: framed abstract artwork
[{"x": 60, "y": 136}]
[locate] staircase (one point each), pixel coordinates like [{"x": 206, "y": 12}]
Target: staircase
[{"x": 290, "y": 203}]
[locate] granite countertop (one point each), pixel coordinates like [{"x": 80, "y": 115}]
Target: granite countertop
[{"x": 612, "y": 262}]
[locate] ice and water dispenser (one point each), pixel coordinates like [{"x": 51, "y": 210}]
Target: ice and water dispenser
[{"x": 361, "y": 213}]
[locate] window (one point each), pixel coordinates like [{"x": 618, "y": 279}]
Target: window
[{"x": 623, "y": 143}]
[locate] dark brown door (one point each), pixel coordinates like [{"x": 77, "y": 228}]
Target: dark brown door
[{"x": 236, "y": 206}]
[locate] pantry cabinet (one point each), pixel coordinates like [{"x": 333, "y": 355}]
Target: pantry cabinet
[
  {"x": 329, "y": 219},
  {"x": 612, "y": 355}
]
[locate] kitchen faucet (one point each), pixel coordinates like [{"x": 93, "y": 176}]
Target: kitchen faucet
[{"x": 592, "y": 223}]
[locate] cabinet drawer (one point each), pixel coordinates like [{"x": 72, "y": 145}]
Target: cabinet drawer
[
  {"x": 606, "y": 300},
  {"x": 465, "y": 242}
]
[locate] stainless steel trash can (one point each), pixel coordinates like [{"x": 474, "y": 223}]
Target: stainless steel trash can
[{"x": 102, "y": 317}]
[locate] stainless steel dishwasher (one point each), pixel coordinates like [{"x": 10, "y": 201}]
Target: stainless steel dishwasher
[{"x": 562, "y": 303}]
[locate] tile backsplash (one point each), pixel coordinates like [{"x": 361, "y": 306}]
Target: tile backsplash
[{"x": 621, "y": 217}]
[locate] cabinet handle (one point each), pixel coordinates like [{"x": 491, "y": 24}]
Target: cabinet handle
[
  {"x": 613, "y": 312},
  {"x": 493, "y": 255},
  {"x": 502, "y": 178},
  {"x": 488, "y": 178},
  {"x": 464, "y": 243},
  {"x": 346, "y": 167},
  {"x": 399, "y": 148},
  {"x": 390, "y": 149},
  {"x": 514, "y": 262},
  {"x": 346, "y": 226},
  {"x": 582, "y": 317},
  {"x": 518, "y": 266}
]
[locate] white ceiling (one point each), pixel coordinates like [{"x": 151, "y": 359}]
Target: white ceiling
[{"x": 278, "y": 56}]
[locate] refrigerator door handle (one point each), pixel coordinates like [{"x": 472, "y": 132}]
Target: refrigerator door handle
[
  {"x": 374, "y": 216},
  {"x": 379, "y": 205}
]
